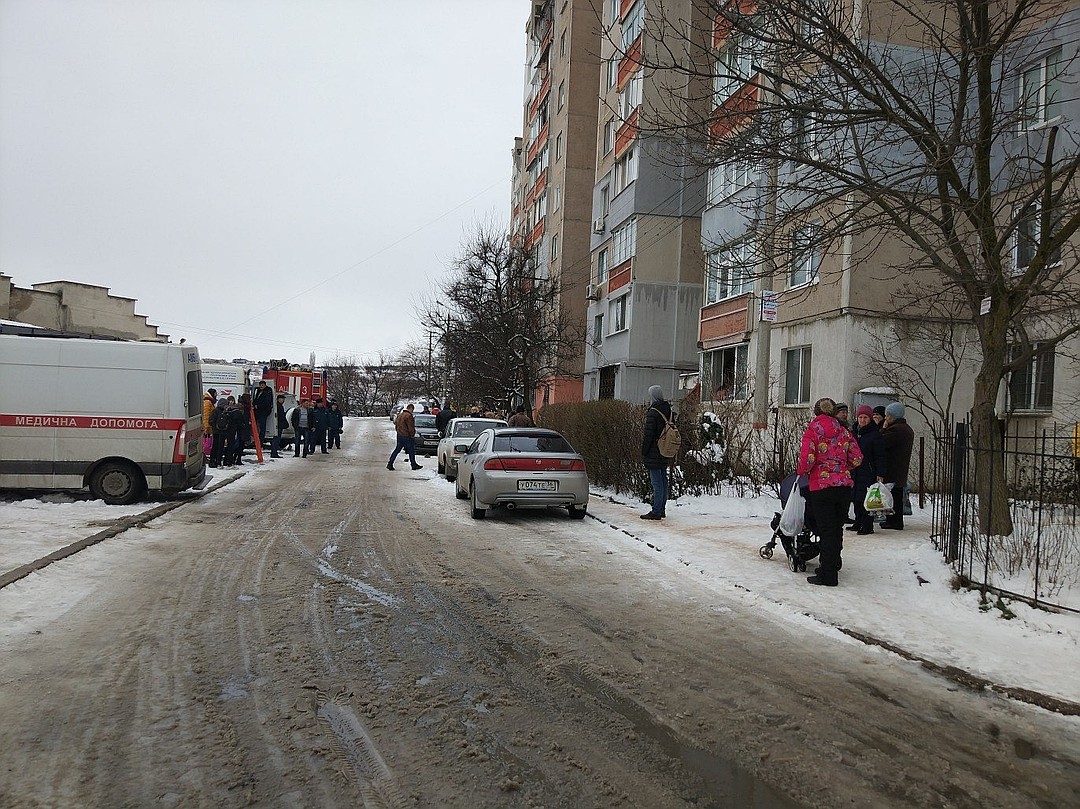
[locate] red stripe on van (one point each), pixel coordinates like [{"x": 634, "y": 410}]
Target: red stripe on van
[{"x": 90, "y": 422}]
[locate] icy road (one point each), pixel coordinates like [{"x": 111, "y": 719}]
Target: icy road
[{"x": 326, "y": 633}]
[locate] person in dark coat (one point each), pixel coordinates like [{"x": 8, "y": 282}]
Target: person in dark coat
[
  {"x": 335, "y": 423},
  {"x": 317, "y": 433},
  {"x": 219, "y": 425},
  {"x": 520, "y": 418},
  {"x": 656, "y": 417},
  {"x": 280, "y": 423},
  {"x": 868, "y": 434},
  {"x": 263, "y": 404},
  {"x": 899, "y": 440},
  {"x": 446, "y": 414}
]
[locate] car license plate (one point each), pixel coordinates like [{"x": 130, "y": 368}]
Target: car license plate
[{"x": 538, "y": 485}]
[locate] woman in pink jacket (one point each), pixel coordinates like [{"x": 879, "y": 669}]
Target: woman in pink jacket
[{"x": 827, "y": 456}]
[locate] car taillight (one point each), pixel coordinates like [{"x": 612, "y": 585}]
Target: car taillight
[
  {"x": 577, "y": 466},
  {"x": 534, "y": 464},
  {"x": 496, "y": 464},
  {"x": 180, "y": 447}
]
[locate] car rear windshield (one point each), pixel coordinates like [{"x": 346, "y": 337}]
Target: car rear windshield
[
  {"x": 471, "y": 429},
  {"x": 531, "y": 443},
  {"x": 424, "y": 420}
]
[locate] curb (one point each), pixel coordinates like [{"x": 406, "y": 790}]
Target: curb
[{"x": 123, "y": 524}]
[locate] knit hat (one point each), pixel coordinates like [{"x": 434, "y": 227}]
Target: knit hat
[
  {"x": 825, "y": 407},
  {"x": 840, "y": 406},
  {"x": 894, "y": 409},
  {"x": 656, "y": 393},
  {"x": 863, "y": 410},
  {"x": 880, "y": 410}
]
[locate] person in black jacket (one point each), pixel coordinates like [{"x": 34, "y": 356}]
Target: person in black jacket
[
  {"x": 899, "y": 441},
  {"x": 263, "y": 403},
  {"x": 280, "y": 423},
  {"x": 655, "y": 418},
  {"x": 335, "y": 422},
  {"x": 444, "y": 417},
  {"x": 317, "y": 433},
  {"x": 868, "y": 434}
]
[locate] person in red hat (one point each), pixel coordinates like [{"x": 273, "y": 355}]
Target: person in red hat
[{"x": 868, "y": 434}]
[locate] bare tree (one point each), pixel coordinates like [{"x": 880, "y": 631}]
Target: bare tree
[
  {"x": 923, "y": 139},
  {"x": 502, "y": 327}
]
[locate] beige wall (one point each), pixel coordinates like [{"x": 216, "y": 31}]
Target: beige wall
[{"x": 74, "y": 308}]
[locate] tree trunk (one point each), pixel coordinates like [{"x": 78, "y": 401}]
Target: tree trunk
[{"x": 986, "y": 443}]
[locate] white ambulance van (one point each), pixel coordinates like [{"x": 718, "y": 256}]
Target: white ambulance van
[{"x": 122, "y": 418}]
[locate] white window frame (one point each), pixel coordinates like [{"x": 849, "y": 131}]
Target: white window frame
[
  {"x": 630, "y": 97},
  {"x": 804, "y": 356},
  {"x": 558, "y": 146},
  {"x": 633, "y": 24},
  {"x": 1038, "y": 381},
  {"x": 562, "y": 95},
  {"x": 556, "y": 198},
  {"x": 624, "y": 242},
  {"x": 598, "y": 328},
  {"x": 1038, "y": 91},
  {"x": 740, "y": 357},
  {"x": 729, "y": 273},
  {"x": 610, "y": 128},
  {"x": 626, "y": 169},
  {"x": 805, "y": 266},
  {"x": 1034, "y": 236},
  {"x": 733, "y": 68},
  {"x": 554, "y": 247},
  {"x": 601, "y": 265},
  {"x": 619, "y": 314}
]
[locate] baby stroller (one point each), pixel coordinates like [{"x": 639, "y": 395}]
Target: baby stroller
[{"x": 801, "y": 547}]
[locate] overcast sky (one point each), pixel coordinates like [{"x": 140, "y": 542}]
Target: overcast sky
[{"x": 267, "y": 177}]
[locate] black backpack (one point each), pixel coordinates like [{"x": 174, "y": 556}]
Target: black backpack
[{"x": 222, "y": 420}]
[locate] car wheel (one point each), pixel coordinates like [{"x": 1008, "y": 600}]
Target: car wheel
[
  {"x": 458, "y": 493},
  {"x": 450, "y": 477},
  {"x": 117, "y": 483},
  {"x": 440, "y": 467},
  {"x": 478, "y": 513},
  {"x": 577, "y": 512}
]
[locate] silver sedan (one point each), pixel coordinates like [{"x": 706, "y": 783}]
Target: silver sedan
[{"x": 522, "y": 466}]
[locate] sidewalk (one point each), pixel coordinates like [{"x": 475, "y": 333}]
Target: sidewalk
[{"x": 895, "y": 590}]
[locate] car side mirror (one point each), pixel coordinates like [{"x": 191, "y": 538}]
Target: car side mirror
[{"x": 462, "y": 448}]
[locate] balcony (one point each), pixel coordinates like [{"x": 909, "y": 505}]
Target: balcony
[
  {"x": 724, "y": 322},
  {"x": 620, "y": 275}
]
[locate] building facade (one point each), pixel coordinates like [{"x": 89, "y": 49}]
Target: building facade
[
  {"x": 553, "y": 163},
  {"x": 78, "y": 310}
]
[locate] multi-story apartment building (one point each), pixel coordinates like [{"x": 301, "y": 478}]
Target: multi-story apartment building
[
  {"x": 789, "y": 316},
  {"x": 644, "y": 293},
  {"x": 554, "y": 161}
]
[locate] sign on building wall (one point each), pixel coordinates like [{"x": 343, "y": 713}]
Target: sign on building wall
[{"x": 769, "y": 300}]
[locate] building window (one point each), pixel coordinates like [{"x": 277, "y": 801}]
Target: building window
[
  {"x": 625, "y": 169},
  {"x": 1032, "y": 386},
  {"x": 562, "y": 94},
  {"x": 556, "y": 198},
  {"x": 612, "y": 71},
  {"x": 632, "y": 24},
  {"x": 725, "y": 373},
  {"x": 630, "y": 97},
  {"x": 558, "y": 146},
  {"x": 623, "y": 243},
  {"x": 609, "y": 135},
  {"x": 805, "y": 255},
  {"x": 562, "y": 44},
  {"x": 601, "y": 266},
  {"x": 554, "y": 246},
  {"x": 797, "y": 375},
  {"x": 733, "y": 68},
  {"x": 1039, "y": 90},
  {"x": 605, "y": 201},
  {"x": 618, "y": 310},
  {"x": 1029, "y": 237},
  {"x": 598, "y": 329},
  {"x": 729, "y": 273},
  {"x": 807, "y": 136},
  {"x": 726, "y": 179}
]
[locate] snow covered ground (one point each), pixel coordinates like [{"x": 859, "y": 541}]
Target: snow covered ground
[{"x": 894, "y": 585}]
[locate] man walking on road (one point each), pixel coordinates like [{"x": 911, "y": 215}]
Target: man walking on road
[{"x": 405, "y": 425}]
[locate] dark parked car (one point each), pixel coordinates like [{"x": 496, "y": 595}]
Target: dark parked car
[{"x": 427, "y": 434}]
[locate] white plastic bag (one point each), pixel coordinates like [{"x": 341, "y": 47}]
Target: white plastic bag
[
  {"x": 879, "y": 498},
  {"x": 793, "y": 518}
]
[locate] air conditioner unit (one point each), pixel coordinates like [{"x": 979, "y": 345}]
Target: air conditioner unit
[
  {"x": 598, "y": 225},
  {"x": 592, "y": 292}
]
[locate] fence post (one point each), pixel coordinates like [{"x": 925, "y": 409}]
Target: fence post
[
  {"x": 922, "y": 475},
  {"x": 959, "y": 462}
]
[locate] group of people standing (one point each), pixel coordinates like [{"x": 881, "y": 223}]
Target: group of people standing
[
  {"x": 840, "y": 462},
  {"x": 227, "y": 423}
]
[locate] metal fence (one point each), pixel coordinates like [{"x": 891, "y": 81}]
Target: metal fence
[{"x": 1037, "y": 472}]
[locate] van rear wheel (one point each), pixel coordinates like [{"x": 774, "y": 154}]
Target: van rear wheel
[{"x": 117, "y": 483}]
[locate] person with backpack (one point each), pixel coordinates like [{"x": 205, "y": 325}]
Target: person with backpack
[
  {"x": 659, "y": 445},
  {"x": 219, "y": 426}
]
